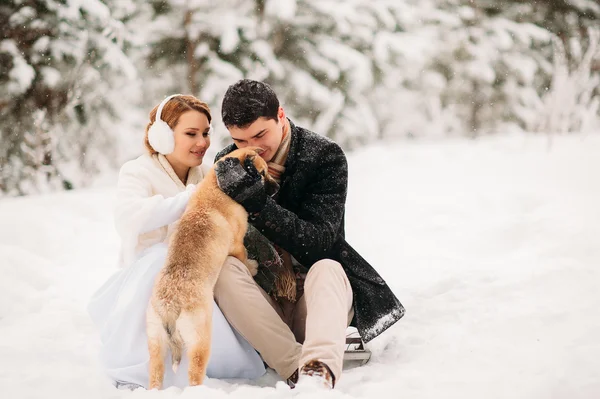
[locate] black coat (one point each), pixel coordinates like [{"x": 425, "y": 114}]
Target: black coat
[{"x": 307, "y": 220}]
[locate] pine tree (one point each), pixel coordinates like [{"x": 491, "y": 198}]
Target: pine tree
[
  {"x": 475, "y": 71},
  {"x": 573, "y": 101},
  {"x": 60, "y": 66},
  {"x": 318, "y": 56}
]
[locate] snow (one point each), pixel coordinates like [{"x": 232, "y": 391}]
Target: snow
[
  {"x": 21, "y": 75},
  {"x": 230, "y": 38},
  {"x": 282, "y": 9},
  {"x": 351, "y": 61},
  {"x": 95, "y": 8},
  {"x": 116, "y": 58},
  {"x": 23, "y": 15},
  {"x": 265, "y": 53},
  {"x": 492, "y": 245}
]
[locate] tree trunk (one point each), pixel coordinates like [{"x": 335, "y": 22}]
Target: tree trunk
[{"x": 190, "y": 48}]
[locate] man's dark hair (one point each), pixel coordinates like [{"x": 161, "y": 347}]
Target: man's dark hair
[{"x": 246, "y": 101}]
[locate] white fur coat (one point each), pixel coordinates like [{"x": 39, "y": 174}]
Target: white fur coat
[{"x": 150, "y": 201}]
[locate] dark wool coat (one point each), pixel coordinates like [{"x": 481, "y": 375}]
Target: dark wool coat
[{"x": 307, "y": 220}]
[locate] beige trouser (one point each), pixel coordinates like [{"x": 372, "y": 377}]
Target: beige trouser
[{"x": 318, "y": 319}]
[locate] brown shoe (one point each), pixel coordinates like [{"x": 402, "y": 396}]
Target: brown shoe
[{"x": 317, "y": 371}]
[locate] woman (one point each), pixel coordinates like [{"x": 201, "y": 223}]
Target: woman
[{"x": 152, "y": 192}]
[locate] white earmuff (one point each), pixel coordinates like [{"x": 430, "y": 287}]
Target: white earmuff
[{"x": 160, "y": 135}]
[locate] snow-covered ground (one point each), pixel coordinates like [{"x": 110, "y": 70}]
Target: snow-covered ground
[{"x": 493, "y": 247}]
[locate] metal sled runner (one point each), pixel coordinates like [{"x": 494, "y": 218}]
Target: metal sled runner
[{"x": 355, "y": 354}]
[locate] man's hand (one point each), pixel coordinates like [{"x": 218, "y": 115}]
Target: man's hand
[{"x": 242, "y": 183}]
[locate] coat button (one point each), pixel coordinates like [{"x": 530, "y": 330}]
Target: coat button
[{"x": 344, "y": 253}]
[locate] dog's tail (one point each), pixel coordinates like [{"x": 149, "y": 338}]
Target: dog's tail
[{"x": 175, "y": 342}]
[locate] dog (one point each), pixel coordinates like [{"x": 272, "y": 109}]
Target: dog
[{"x": 179, "y": 313}]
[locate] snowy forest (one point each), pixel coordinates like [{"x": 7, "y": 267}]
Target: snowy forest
[{"x": 79, "y": 77}]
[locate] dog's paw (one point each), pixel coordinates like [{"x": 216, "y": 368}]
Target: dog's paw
[{"x": 252, "y": 266}]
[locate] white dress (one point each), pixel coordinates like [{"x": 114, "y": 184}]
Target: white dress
[{"x": 119, "y": 306}]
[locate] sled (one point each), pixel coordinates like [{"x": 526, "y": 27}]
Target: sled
[{"x": 356, "y": 354}]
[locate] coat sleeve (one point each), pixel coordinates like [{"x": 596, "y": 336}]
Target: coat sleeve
[
  {"x": 225, "y": 151},
  {"x": 137, "y": 211},
  {"x": 314, "y": 228}
]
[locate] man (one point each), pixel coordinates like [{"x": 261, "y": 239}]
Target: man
[{"x": 302, "y": 339}]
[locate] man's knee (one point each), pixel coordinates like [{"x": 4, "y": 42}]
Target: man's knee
[
  {"x": 330, "y": 274},
  {"x": 232, "y": 272},
  {"x": 326, "y": 267}
]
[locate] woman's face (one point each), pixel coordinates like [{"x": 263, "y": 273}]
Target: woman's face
[{"x": 191, "y": 139}]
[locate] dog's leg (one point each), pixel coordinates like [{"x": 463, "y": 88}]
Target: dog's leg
[
  {"x": 195, "y": 328},
  {"x": 240, "y": 252},
  {"x": 157, "y": 348}
]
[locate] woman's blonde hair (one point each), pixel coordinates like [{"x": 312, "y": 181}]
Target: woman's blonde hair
[{"x": 172, "y": 111}]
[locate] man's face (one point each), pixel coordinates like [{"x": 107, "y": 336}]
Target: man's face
[{"x": 264, "y": 133}]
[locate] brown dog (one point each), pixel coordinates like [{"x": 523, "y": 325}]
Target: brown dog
[{"x": 180, "y": 309}]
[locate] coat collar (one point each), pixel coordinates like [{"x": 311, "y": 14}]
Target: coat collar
[
  {"x": 290, "y": 163},
  {"x": 195, "y": 174}
]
